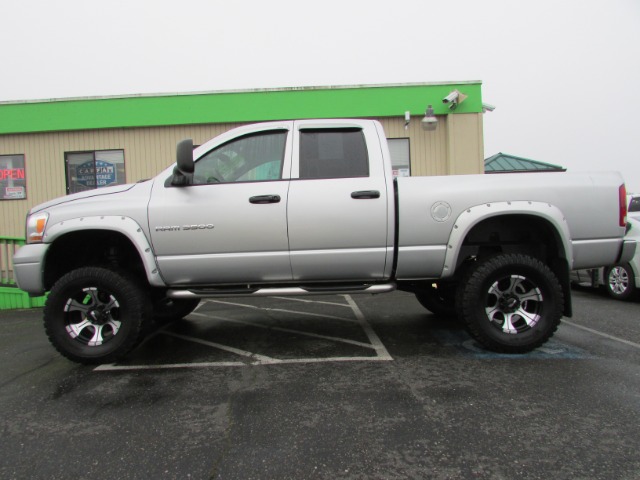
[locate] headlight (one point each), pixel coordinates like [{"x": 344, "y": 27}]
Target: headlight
[{"x": 35, "y": 227}]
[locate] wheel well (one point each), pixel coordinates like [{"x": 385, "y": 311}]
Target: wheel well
[
  {"x": 517, "y": 233},
  {"x": 91, "y": 248}
]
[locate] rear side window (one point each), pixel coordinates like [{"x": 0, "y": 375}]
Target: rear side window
[
  {"x": 333, "y": 153},
  {"x": 634, "y": 204}
]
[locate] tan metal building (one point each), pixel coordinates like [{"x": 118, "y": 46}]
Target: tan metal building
[{"x": 51, "y": 148}]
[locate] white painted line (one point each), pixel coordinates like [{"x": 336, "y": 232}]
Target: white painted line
[
  {"x": 111, "y": 367},
  {"x": 373, "y": 337},
  {"x": 255, "y": 359},
  {"x": 602, "y": 334},
  {"x": 304, "y": 300},
  {"x": 237, "y": 351},
  {"x": 287, "y": 330},
  {"x": 284, "y": 311}
]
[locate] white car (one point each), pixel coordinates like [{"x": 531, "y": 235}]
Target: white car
[{"x": 621, "y": 280}]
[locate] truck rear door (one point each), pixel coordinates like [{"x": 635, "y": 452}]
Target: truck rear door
[{"x": 339, "y": 211}]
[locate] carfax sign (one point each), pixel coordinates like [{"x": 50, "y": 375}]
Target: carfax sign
[{"x": 98, "y": 174}]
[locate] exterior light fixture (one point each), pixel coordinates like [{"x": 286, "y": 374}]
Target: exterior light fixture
[{"x": 429, "y": 122}]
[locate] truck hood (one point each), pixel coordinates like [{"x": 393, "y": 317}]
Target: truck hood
[{"x": 82, "y": 195}]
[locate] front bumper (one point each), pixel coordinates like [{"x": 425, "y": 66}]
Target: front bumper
[{"x": 28, "y": 267}]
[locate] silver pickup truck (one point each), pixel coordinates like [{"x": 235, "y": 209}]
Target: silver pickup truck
[{"x": 311, "y": 207}]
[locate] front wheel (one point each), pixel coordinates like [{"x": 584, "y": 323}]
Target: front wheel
[
  {"x": 619, "y": 281},
  {"x": 510, "y": 303},
  {"x": 95, "y": 315}
]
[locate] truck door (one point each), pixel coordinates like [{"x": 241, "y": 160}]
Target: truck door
[
  {"x": 229, "y": 226},
  {"x": 339, "y": 210}
]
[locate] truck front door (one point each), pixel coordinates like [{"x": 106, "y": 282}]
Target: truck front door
[{"x": 229, "y": 226}]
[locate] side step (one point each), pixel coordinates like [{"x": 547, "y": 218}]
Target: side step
[{"x": 280, "y": 291}]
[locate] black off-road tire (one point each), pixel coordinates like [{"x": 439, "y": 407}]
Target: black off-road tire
[
  {"x": 510, "y": 303},
  {"x": 167, "y": 310},
  {"x": 439, "y": 299},
  {"x": 94, "y": 315},
  {"x": 619, "y": 281}
]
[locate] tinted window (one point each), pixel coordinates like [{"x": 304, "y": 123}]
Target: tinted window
[
  {"x": 252, "y": 158},
  {"x": 333, "y": 154},
  {"x": 634, "y": 204}
]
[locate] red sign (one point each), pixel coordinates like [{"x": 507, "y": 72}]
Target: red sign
[{"x": 12, "y": 174}]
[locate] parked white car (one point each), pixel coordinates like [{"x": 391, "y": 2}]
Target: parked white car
[{"x": 621, "y": 280}]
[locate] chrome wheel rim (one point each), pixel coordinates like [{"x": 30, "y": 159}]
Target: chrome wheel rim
[
  {"x": 618, "y": 280},
  {"x": 92, "y": 317},
  {"x": 513, "y": 304}
]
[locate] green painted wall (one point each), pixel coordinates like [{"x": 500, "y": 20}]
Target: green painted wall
[{"x": 225, "y": 107}]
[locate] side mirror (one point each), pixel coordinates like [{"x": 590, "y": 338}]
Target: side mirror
[{"x": 184, "y": 167}]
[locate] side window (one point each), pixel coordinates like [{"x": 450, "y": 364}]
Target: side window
[
  {"x": 400, "y": 159},
  {"x": 252, "y": 158},
  {"x": 333, "y": 153}
]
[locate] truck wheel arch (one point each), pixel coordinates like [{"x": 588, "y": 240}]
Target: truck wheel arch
[
  {"x": 473, "y": 219},
  {"x": 76, "y": 236}
]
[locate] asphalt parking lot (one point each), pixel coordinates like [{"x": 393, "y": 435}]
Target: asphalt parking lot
[{"x": 331, "y": 387}]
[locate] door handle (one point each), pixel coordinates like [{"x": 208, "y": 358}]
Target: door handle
[
  {"x": 260, "y": 199},
  {"x": 365, "y": 194}
]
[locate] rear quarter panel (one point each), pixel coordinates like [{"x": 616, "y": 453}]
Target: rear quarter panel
[{"x": 430, "y": 206}]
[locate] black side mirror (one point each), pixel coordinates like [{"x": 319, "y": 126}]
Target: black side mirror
[{"x": 183, "y": 171}]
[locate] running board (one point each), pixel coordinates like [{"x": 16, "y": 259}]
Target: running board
[{"x": 280, "y": 291}]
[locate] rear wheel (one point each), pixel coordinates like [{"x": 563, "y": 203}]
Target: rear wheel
[
  {"x": 619, "y": 281},
  {"x": 510, "y": 303},
  {"x": 95, "y": 315}
]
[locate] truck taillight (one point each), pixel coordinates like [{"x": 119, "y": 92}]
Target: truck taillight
[{"x": 622, "y": 191}]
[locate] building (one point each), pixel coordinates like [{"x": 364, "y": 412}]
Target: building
[{"x": 50, "y": 148}]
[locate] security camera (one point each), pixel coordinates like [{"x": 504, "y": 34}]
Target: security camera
[
  {"x": 452, "y": 97},
  {"x": 487, "y": 107}
]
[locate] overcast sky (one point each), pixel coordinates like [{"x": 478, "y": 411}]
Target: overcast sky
[{"x": 564, "y": 75}]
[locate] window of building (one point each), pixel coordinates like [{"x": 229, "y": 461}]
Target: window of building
[
  {"x": 252, "y": 158},
  {"x": 400, "y": 159},
  {"x": 13, "y": 183},
  {"x": 91, "y": 170},
  {"x": 333, "y": 153}
]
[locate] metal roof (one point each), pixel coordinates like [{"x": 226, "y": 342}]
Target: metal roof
[{"x": 505, "y": 163}]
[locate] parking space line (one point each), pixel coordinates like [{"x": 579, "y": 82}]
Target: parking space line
[
  {"x": 602, "y": 334},
  {"x": 112, "y": 367},
  {"x": 304, "y": 300},
  {"x": 243, "y": 353},
  {"x": 287, "y": 330},
  {"x": 373, "y": 337},
  {"x": 254, "y": 359},
  {"x": 297, "y": 312}
]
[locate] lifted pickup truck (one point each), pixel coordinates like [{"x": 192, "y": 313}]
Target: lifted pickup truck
[{"x": 311, "y": 207}]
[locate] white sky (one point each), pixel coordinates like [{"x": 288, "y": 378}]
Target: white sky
[{"x": 564, "y": 75}]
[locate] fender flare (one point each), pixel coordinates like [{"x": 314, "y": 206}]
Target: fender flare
[
  {"x": 127, "y": 226},
  {"x": 472, "y": 216}
]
